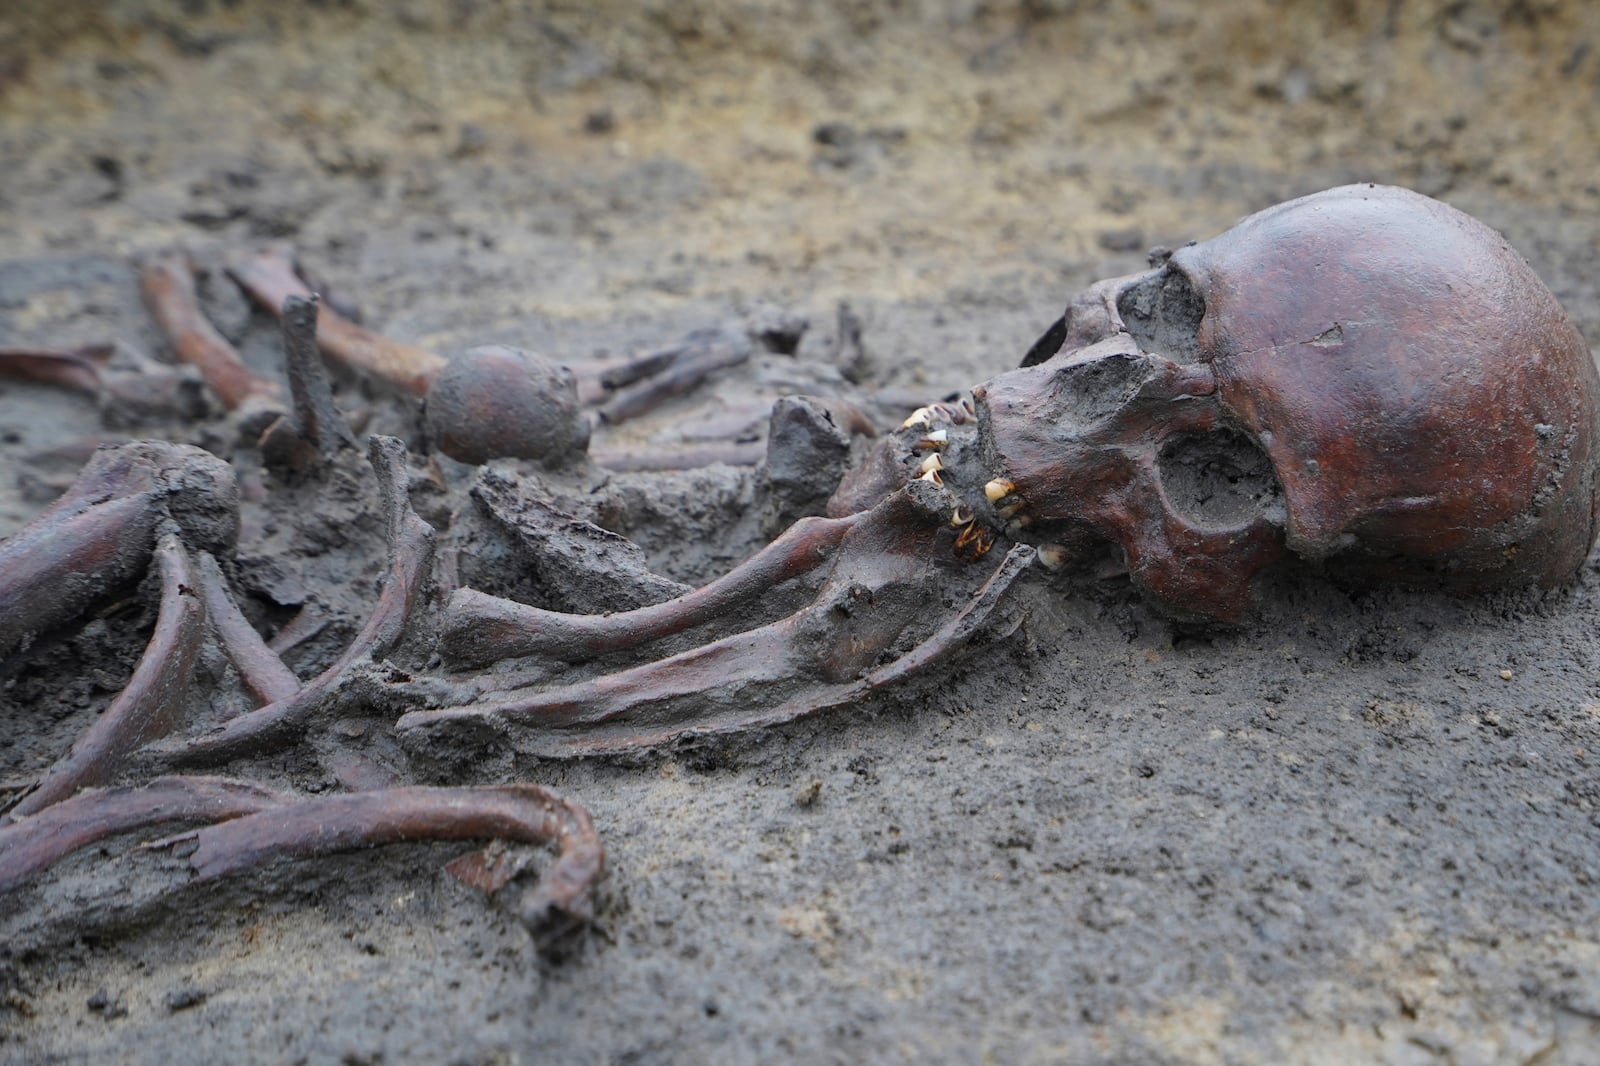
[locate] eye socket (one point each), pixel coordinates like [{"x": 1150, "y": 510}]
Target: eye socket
[
  {"x": 1162, "y": 311},
  {"x": 1220, "y": 479}
]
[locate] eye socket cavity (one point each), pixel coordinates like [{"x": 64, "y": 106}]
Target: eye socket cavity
[
  {"x": 1219, "y": 480},
  {"x": 1162, "y": 311}
]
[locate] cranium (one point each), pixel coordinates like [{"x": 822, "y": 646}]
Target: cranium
[{"x": 1364, "y": 377}]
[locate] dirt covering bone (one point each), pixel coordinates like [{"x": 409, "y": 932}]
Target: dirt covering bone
[{"x": 1362, "y": 380}]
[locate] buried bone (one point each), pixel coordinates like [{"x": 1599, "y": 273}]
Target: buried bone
[{"x": 97, "y": 539}]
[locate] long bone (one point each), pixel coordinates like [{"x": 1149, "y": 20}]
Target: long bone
[
  {"x": 167, "y": 282},
  {"x": 478, "y": 629},
  {"x": 97, "y": 538},
  {"x": 251, "y": 824}
]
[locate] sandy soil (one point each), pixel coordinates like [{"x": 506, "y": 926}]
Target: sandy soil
[{"x": 1360, "y": 828}]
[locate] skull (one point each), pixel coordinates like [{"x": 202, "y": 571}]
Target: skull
[{"x": 1364, "y": 377}]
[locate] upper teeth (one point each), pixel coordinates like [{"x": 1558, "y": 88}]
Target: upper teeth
[{"x": 998, "y": 489}]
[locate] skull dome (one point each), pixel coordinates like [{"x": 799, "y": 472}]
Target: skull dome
[{"x": 1365, "y": 377}]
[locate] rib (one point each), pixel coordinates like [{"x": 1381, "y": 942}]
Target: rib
[
  {"x": 149, "y": 706},
  {"x": 263, "y": 673},
  {"x": 623, "y": 712}
]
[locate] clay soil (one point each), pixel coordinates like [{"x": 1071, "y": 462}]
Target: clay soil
[{"x": 1360, "y": 828}]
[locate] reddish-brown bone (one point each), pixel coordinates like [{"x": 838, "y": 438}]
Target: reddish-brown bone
[
  {"x": 252, "y": 824},
  {"x": 562, "y": 900},
  {"x": 880, "y": 583},
  {"x": 122, "y": 381},
  {"x": 97, "y": 538},
  {"x": 479, "y": 629},
  {"x": 700, "y": 355},
  {"x": 167, "y": 282},
  {"x": 263, "y": 673},
  {"x": 149, "y": 706},
  {"x": 31, "y": 845},
  {"x": 1365, "y": 377},
  {"x": 269, "y": 277},
  {"x": 617, "y": 734}
]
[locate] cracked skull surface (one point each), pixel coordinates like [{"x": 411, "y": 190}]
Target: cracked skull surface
[{"x": 1364, "y": 377}]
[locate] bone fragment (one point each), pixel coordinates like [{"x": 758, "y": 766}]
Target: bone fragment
[
  {"x": 577, "y": 564},
  {"x": 959, "y": 632},
  {"x": 252, "y": 824},
  {"x": 317, "y": 421},
  {"x": 125, "y": 384},
  {"x": 167, "y": 282},
  {"x": 478, "y": 629},
  {"x": 879, "y": 583},
  {"x": 150, "y": 705},
  {"x": 700, "y": 354},
  {"x": 269, "y": 277},
  {"x": 96, "y": 540}
]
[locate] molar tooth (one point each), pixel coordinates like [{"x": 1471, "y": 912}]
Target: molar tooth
[
  {"x": 1052, "y": 556},
  {"x": 999, "y": 489},
  {"x": 919, "y": 417},
  {"x": 961, "y": 517},
  {"x": 968, "y": 535},
  {"x": 932, "y": 463}
]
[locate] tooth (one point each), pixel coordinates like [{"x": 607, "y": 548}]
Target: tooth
[
  {"x": 1009, "y": 510},
  {"x": 1052, "y": 557},
  {"x": 969, "y": 535},
  {"x": 961, "y": 517},
  {"x": 932, "y": 463},
  {"x": 998, "y": 489},
  {"x": 937, "y": 439},
  {"x": 932, "y": 476},
  {"x": 1014, "y": 528},
  {"x": 985, "y": 542},
  {"x": 919, "y": 417}
]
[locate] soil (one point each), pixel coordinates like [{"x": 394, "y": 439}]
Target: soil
[{"x": 1361, "y": 827}]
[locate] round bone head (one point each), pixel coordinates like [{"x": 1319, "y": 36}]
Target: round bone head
[
  {"x": 1374, "y": 375},
  {"x": 496, "y": 402}
]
